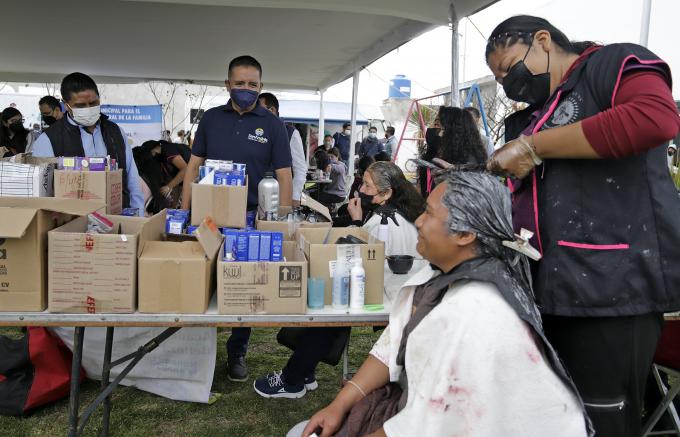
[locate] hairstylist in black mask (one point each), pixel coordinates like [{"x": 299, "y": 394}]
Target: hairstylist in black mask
[
  {"x": 598, "y": 197},
  {"x": 14, "y": 137}
]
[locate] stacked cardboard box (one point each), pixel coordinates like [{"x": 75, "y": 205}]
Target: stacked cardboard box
[
  {"x": 226, "y": 204},
  {"x": 264, "y": 287},
  {"x": 320, "y": 249},
  {"x": 24, "y": 225},
  {"x": 97, "y": 273},
  {"x": 105, "y": 186},
  {"x": 178, "y": 276}
]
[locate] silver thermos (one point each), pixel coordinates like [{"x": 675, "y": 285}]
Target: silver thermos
[{"x": 268, "y": 197}]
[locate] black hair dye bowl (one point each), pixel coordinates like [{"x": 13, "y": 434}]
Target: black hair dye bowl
[{"x": 400, "y": 264}]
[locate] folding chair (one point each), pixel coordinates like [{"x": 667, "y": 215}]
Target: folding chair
[{"x": 666, "y": 360}]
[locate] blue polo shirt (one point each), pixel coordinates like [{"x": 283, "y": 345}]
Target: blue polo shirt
[{"x": 256, "y": 138}]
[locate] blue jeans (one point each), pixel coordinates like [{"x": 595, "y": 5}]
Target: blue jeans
[{"x": 237, "y": 345}]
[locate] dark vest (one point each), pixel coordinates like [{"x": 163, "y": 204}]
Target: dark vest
[
  {"x": 609, "y": 228},
  {"x": 66, "y": 141},
  {"x": 290, "y": 130}
]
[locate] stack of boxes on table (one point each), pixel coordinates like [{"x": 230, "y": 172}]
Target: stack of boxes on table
[{"x": 55, "y": 253}]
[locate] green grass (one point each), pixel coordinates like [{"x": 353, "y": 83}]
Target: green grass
[{"x": 240, "y": 411}]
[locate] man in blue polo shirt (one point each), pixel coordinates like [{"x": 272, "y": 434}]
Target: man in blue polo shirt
[{"x": 242, "y": 131}]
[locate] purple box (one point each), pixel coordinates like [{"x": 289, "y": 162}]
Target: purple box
[{"x": 97, "y": 164}]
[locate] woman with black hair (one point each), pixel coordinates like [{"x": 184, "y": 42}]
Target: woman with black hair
[
  {"x": 14, "y": 137},
  {"x": 173, "y": 159},
  {"x": 429, "y": 151},
  {"x": 461, "y": 142},
  {"x": 590, "y": 181}
]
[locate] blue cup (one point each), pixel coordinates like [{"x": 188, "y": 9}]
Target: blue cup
[{"x": 315, "y": 293}]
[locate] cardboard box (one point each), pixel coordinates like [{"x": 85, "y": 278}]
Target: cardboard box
[
  {"x": 226, "y": 204},
  {"x": 178, "y": 276},
  {"x": 24, "y": 223},
  {"x": 24, "y": 176},
  {"x": 320, "y": 254},
  {"x": 106, "y": 186},
  {"x": 282, "y": 226},
  {"x": 97, "y": 273},
  {"x": 264, "y": 287}
]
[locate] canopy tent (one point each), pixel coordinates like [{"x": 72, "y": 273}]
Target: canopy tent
[{"x": 301, "y": 44}]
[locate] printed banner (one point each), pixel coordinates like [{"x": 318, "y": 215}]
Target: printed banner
[{"x": 140, "y": 122}]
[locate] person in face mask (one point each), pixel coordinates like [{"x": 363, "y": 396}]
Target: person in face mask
[
  {"x": 590, "y": 179},
  {"x": 14, "y": 137},
  {"x": 85, "y": 131},
  {"x": 385, "y": 186},
  {"x": 327, "y": 143},
  {"x": 246, "y": 132},
  {"x": 50, "y": 110},
  {"x": 371, "y": 145},
  {"x": 172, "y": 159},
  {"x": 342, "y": 142},
  {"x": 390, "y": 142}
]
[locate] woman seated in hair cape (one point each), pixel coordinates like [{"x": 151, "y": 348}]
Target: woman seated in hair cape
[{"x": 464, "y": 352}]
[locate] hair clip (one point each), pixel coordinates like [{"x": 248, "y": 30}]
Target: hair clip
[{"x": 521, "y": 244}]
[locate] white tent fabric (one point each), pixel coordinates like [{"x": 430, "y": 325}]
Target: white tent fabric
[
  {"x": 307, "y": 111},
  {"x": 302, "y": 44}
]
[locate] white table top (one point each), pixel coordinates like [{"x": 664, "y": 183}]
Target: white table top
[{"x": 325, "y": 317}]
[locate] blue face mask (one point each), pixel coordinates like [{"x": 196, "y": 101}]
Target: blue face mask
[{"x": 243, "y": 98}]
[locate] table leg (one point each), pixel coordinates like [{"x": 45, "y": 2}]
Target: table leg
[
  {"x": 106, "y": 371},
  {"x": 345, "y": 361},
  {"x": 75, "y": 381}
]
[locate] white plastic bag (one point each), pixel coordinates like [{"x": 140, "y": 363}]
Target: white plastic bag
[{"x": 181, "y": 368}]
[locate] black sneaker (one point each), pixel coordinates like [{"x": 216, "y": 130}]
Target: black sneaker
[
  {"x": 310, "y": 383},
  {"x": 273, "y": 386},
  {"x": 236, "y": 369}
]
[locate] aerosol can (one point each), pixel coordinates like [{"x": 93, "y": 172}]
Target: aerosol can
[{"x": 268, "y": 197}]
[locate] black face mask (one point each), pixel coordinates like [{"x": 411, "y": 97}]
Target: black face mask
[
  {"x": 521, "y": 85},
  {"x": 48, "y": 120},
  {"x": 367, "y": 202},
  {"x": 16, "y": 127}
]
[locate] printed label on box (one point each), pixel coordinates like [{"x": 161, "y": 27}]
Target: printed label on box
[{"x": 290, "y": 281}]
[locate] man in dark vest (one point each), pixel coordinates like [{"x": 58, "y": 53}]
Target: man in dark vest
[{"x": 86, "y": 132}]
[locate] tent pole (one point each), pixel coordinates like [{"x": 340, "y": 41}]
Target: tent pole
[
  {"x": 322, "y": 124},
  {"x": 644, "y": 27},
  {"x": 455, "y": 93},
  {"x": 353, "y": 137}
]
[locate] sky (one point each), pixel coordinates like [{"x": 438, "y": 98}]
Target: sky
[{"x": 426, "y": 60}]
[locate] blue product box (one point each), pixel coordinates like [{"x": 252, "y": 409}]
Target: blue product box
[
  {"x": 235, "y": 180},
  {"x": 230, "y": 244},
  {"x": 241, "y": 246},
  {"x": 221, "y": 178},
  {"x": 265, "y": 246},
  {"x": 253, "y": 246},
  {"x": 239, "y": 169},
  {"x": 276, "y": 253},
  {"x": 191, "y": 230},
  {"x": 174, "y": 225},
  {"x": 250, "y": 219}
]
